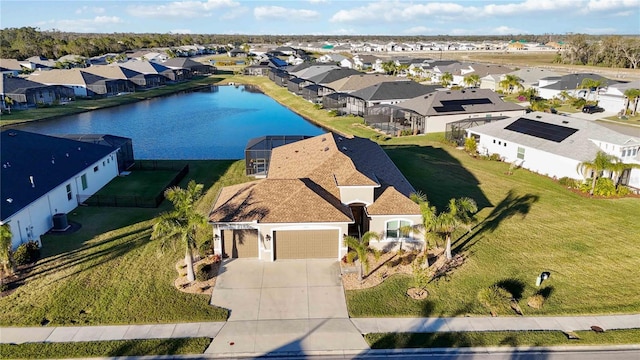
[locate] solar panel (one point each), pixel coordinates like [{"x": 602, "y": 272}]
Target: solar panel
[
  {"x": 539, "y": 129},
  {"x": 458, "y": 105}
]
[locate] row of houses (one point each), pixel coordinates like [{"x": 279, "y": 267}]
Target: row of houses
[{"x": 42, "y": 88}]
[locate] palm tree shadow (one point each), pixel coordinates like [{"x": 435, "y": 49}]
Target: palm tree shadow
[{"x": 511, "y": 205}]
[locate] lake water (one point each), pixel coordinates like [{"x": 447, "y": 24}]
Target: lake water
[{"x": 211, "y": 124}]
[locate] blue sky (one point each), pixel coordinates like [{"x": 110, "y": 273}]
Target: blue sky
[{"x": 328, "y": 17}]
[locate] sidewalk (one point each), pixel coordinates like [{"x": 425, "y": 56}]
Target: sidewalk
[
  {"x": 462, "y": 324},
  {"x": 364, "y": 326}
]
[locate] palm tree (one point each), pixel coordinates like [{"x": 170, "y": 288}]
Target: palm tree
[
  {"x": 472, "y": 80},
  {"x": 632, "y": 96},
  {"x": 360, "y": 247},
  {"x": 389, "y": 67},
  {"x": 460, "y": 213},
  {"x": 182, "y": 222},
  {"x": 510, "y": 83},
  {"x": 446, "y": 79},
  {"x": 6, "y": 258},
  {"x": 591, "y": 84},
  {"x": 602, "y": 162}
]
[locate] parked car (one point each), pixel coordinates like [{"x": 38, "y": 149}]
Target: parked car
[{"x": 592, "y": 109}]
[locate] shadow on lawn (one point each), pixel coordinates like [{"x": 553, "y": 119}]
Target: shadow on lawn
[
  {"x": 165, "y": 347},
  {"x": 437, "y": 174},
  {"x": 508, "y": 207}
]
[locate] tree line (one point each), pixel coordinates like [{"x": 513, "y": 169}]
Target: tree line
[{"x": 608, "y": 51}]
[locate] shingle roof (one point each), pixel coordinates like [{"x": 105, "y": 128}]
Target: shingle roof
[
  {"x": 393, "y": 90},
  {"x": 360, "y": 81},
  {"x": 26, "y": 154},
  {"x": 578, "y": 146},
  {"x": 145, "y": 67},
  {"x": 16, "y": 85},
  {"x": 458, "y": 102},
  {"x": 483, "y": 70},
  {"x": 66, "y": 77},
  {"x": 181, "y": 62},
  {"x": 392, "y": 202},
  {"x": 314, "y": 70},
  {"x": 333, "y": 75},
  {"x": 533, "y": 75},
  {"x": 573, "y": 81},
  {"x": 113, "y": 72},
  {"x": 10, "y": 64}
]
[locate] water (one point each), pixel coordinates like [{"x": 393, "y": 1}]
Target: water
[{"x": 213, "y": 124}]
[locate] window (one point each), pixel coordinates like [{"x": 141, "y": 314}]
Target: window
[
  {"x": 635, "y": 152},
  {"x": 84, "y": 182},
  {"x": 521, "y": 153},
  {"x": 499, "y": 142},
  {"x": 494, "y": 141},
  {"x": 104, "y": 163},
  {"x": 69, "y": 193},
  {"x": 505, "y": 144},
  {"x": 393, "y": 228},
  {"x": 95, "y": 169}
]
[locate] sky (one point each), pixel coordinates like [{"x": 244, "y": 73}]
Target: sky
[{"x": 328, "y": 17}]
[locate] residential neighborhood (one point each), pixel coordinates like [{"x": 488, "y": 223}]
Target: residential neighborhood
[{"x": 351, "y": 196}]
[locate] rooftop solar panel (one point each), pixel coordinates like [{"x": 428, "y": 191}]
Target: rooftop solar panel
[{"x": 539, "y": 129}]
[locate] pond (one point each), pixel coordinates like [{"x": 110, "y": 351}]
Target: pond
[{"x": 214, "y": 123}]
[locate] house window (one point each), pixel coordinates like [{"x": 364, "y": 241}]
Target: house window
[
  {"x": 393, "y": 228},
  {"x": 499, "y": 142},
  {"x": 494, "y": 141},
  {"x": 635, "y": 152},
  {"x": 521, "y": 153},
  {"x": 95, "y": 169},
  {"x": 104, "y": 163},
  {"x": 505, "y": 144},
  {"x": 83, "y": 178},
  {"x": 69, "y": 193}
]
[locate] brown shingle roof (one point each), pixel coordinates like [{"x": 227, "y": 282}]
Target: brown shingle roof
[
  {"x": 278, "y": 201},
  {"x": 392, "y": 202}
]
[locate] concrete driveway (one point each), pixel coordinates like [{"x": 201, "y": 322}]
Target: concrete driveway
[{"x": 295, "y": 289}]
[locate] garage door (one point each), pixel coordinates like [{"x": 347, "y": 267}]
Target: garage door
[
  {"x": 306, "y": 244},
  {"x": 240, "y": 243}
]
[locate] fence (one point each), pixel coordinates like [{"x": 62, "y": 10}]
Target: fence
[{"x": 134, "y": 200}]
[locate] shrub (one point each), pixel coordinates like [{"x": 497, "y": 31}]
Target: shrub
[
  {"x": 585, "y": 186},
  {"x": 495, "y": 298},
  {"x": 568, "y": 182},
  {"x": 494, "y": 157},
  {"x": 420, "y": 278},
  {"x": 623, "y": 190},
  {"x": 27, "y": 253},
  {"x": 406, "y": 132},
  {"x": 578, "y": 103},
  {"x": 536, "y": 301},
  {"x": 317, "y": 106},
  {"x": 605, "y": 187},
  {"x": 470, "y": 145},
  {"x": 333, "y": 113},
  {"x": 202, "y": 272},
  {"x": 4, "y": 287},
  {"x": 205, "y": 248}
]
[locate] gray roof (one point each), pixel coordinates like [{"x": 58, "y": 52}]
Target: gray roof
[
  {"x": 483, "y": 70},
  {"x": 580, "y": 146},
  {"x": 17, "y": 85},
  {"x": 314, "y": 70},
  {"x": 393, "y": 90},
  {"x": 146, "y": 67},
  {"x": 360, "y": 81},
  {"x": 451, "y": 102},
  {"x": 333, "y": 75},
  {"x": 532, "y": 75},
  {"x": 573, "y": 81}
]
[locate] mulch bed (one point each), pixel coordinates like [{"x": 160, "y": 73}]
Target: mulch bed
[{"x": 197, "y": 287}]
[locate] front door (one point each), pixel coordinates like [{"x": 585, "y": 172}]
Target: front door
[{"x": 361, "y": 224}]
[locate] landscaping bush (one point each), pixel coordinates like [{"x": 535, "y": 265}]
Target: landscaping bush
[
  {"x": 605, "y": 187},
  {"x": 578, "y": 103},
  {"x": 623, "y": 190},
  {"x": 470, "y": 145},
  {"x": 494, "y": 157},
  {"x": 333, "y": 113},
  {"x": 536, "y": 301},
  {"x": 496, "y": 299},
  {"x": 569, "y": 182},
  {"x": 406, "y": 132},
  {"x": 27, "y": 253},
  {"x": 202, "y": 272}
]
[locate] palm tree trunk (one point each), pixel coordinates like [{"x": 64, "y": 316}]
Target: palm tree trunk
[
  {"x": 593, "y": 183},
  {"x": 360, "y": 270},
  {"x": 448, "y": 248},
  {"x": 188, "y": 260}
]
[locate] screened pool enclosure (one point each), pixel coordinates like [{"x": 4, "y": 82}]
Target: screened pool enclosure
[{"x": 257, "y": 154}]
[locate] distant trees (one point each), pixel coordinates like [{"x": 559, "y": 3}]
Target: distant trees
[{"x": 609, "y": 51}]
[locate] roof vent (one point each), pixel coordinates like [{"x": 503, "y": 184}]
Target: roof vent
[
  {"x": 324, "y": 139},
  {"x": 326, "y": 149},
  {"x": 9, "y": 200},
  {"x": 538, "y": 117},
  {"x": 339, "y": 138},
  {"x": 13, "y": 134},
  {"x": 565, "y": 122},
  {"x": 344, "y": 148}
]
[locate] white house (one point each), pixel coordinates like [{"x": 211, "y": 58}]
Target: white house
[
  {"x": 613, "y": 98},
  {"x": 554, "y": 145},
  {"x": 45, "y": 175},
  {"x": 550, "y": 87}
]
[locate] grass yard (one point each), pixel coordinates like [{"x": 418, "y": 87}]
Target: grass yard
[
  {"x": 105, "y": 348},
  {"x": 109, "y": 272},
  {"x": 528, "y": 224},
  {"x": 143, "y": 183},
  {"x": 498, "y": 338}
]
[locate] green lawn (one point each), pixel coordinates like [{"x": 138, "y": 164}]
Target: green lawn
[
  {"x": 633, "y": 120},
  {"x": 109, "y": 272},
  {"x": 528, "y": 224},
  {"x": 104, "y": 348},
  {"x": 498, "y": 338},
  {"x": 79, "y": 106},
  {"x": 144, "y": 183}
]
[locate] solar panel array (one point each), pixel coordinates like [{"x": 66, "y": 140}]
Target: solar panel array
[
  {"x": 459, "y": 105},
  {"x": 541, "y": 129}
]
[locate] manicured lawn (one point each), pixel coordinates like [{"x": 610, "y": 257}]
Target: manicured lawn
[
  {"x": 144, "y": 183},
  {"x": 629, "y": 120},
  {"x": 528, "y": 224},
  {"x": 498, "y": 338},
  {"x": 104, "y": 348},
  {"x": 79, "y": 106},
  {"x": 109, "y": 272}
]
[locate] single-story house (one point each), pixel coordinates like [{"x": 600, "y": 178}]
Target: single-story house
[
  {"x": 10, "y": 67},
  {"x": 45, "y": 175},
  {"x": 387, "y": 92},
  {"x": 432, "y": 112},
  {"x": 24, "y": 94},
  {"x": 550, "y": 87},
  {"x": 316, "y": 192},
  {"x": 113, "y": 71},
  {"x": 83, "y": 83},
  {"x": 192, "y": 67},
  {"x": 555, "y": 145},
  {"x": 614, "y": 100}
]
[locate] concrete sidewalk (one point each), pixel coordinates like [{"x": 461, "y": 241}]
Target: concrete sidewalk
[
  {"x": 562, "y": 323},
  {"x": 18, "y": 335}
]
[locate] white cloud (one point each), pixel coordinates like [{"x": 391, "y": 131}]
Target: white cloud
[
  {"x": 97, "y": 24},
  {"x": 599, "y": 31},
  {"x": 418, "y": 30},
  {"x": 181, "y": 31},
  {"x": 529, "y": 6},
  {"x": 180, "y": 9},
  {"x": 279, "y": 12},
  {"x": 504, "y": 30},
  {"x": 90, "y": 9},
  {"x": 318, "y": 1},
  {"x": 235, "y": 13},
  {"x": 601, "y": 5}
]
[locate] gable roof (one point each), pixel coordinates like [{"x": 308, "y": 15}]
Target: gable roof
[
  {"x": 17, "y": 85},
  {"x": 359, "y": 81},
  {"x": 392, "y": 202},
  {"x": 333, "y": 75},
  {"x": 483, "y": 70},
  {"x": 313, "y": 70},
  {"x": 393, "y": 90},
  {"x": 10, "y": 64},
  {"x": 182, "y": 63},
  {"x": 573, "y": 81},
  {"x": 26, "y": 154},
  {"x": 113, "y": 71},
  {"x": 458, "y": 102},
  {"x": 532, "y": 75},
  {"x": 145, "y": 67},
  {"x": 66, "y": 77},
  {"x": 580, "y": 145}
]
